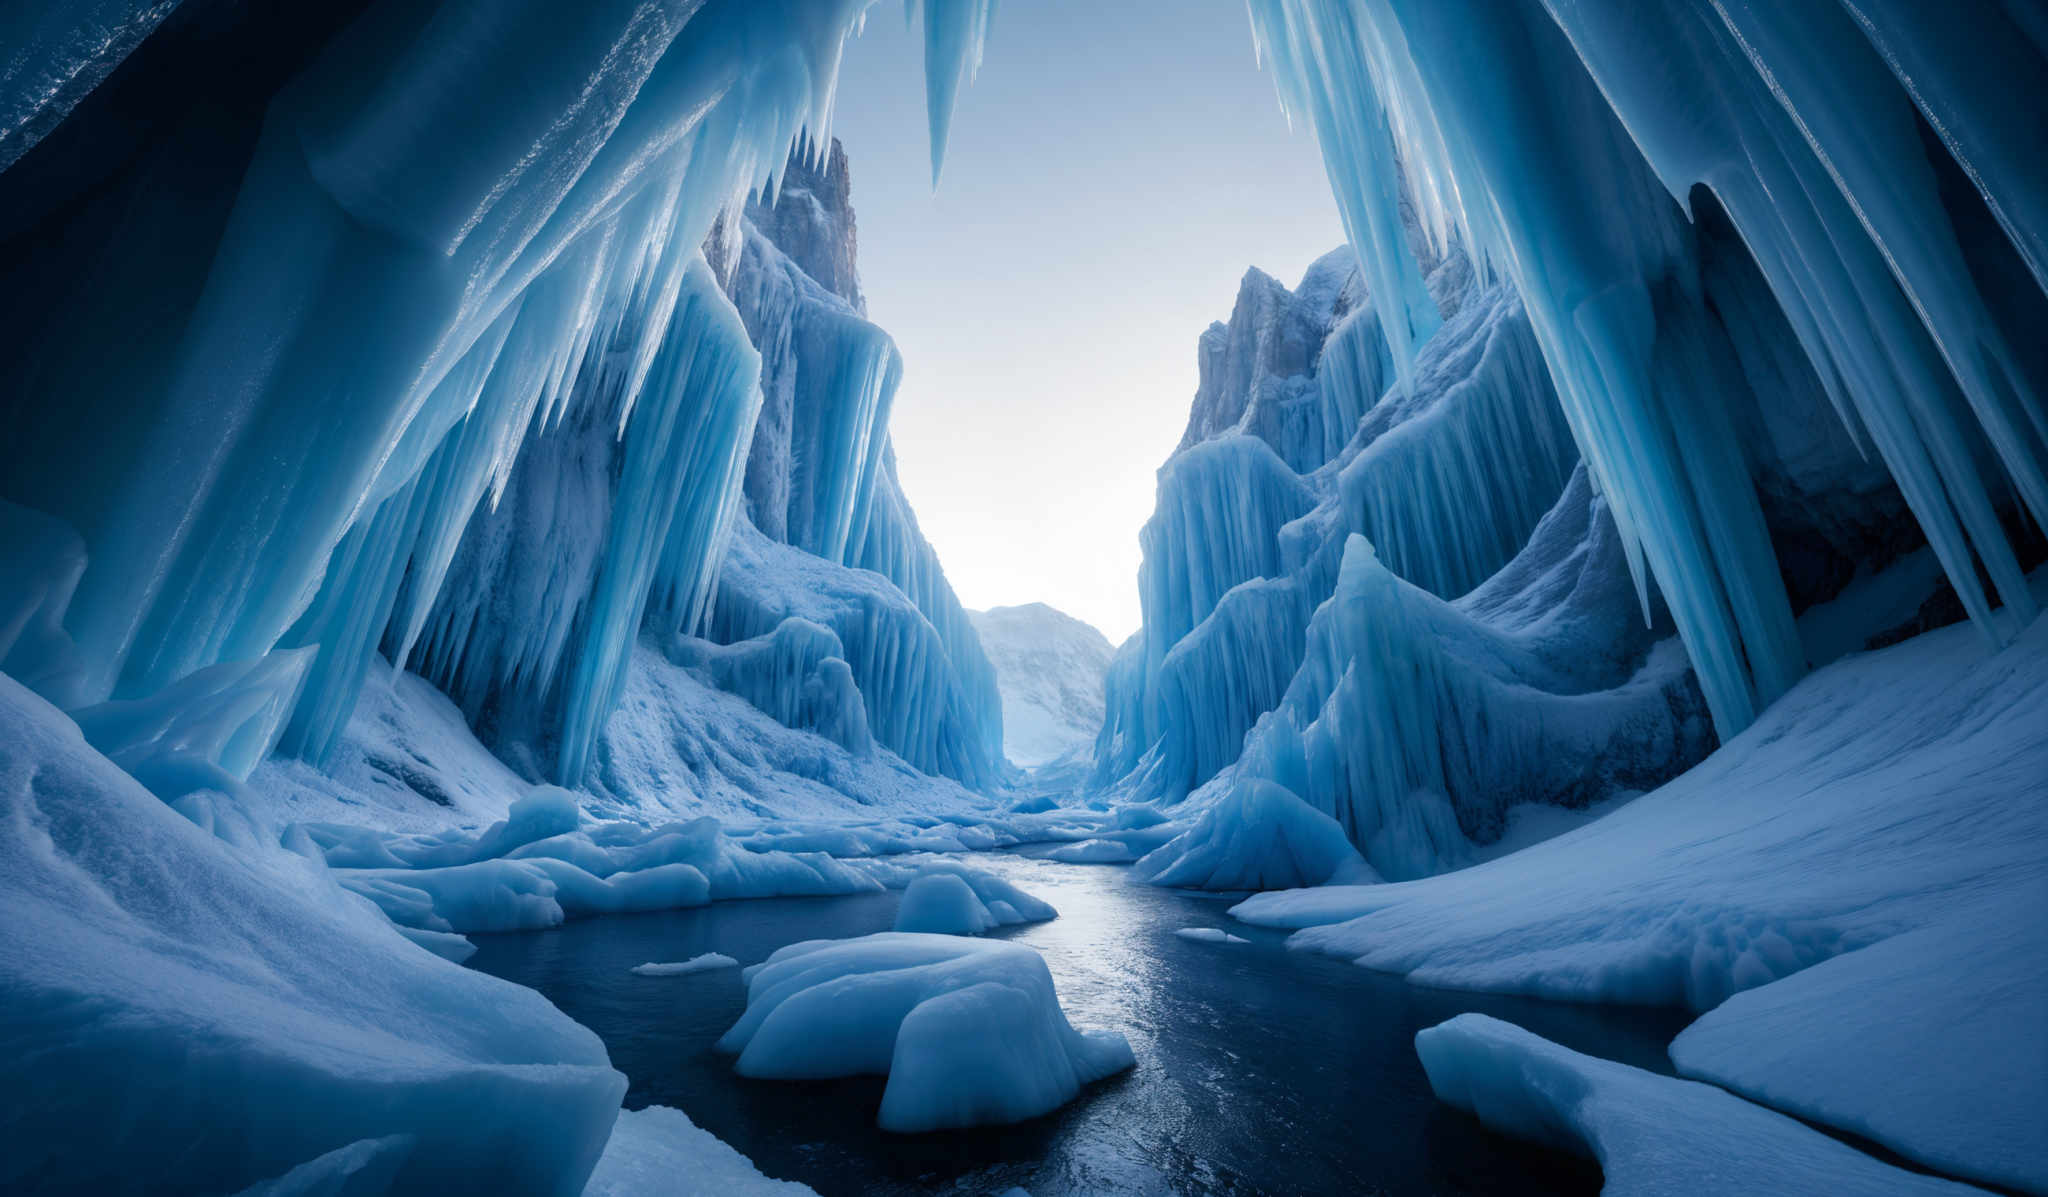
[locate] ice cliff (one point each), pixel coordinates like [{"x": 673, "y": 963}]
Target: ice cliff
[{"x": 1518, "y": 497}]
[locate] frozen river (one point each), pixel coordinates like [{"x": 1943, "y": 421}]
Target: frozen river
[{"x": 1260, "y": 1070}]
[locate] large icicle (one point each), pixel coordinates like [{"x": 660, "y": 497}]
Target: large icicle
[{"x": 1809, "y": 143}]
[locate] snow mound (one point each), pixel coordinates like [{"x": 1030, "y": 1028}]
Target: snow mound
[
  {"x": 1892, "y": 803},
  {"x": 695, "y": 964},
  {"x": 1259, "y": 837},
  {"x": 1653, "y": 1136},
  {"x": 1210, "y": 935},
  {"x": 968, "y": 1031},
  {"x": 654, "y": 1150},
  {"x": 258, "y": 1017}
]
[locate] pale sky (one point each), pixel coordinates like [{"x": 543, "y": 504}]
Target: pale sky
[{"x": 1113, "y": 171}]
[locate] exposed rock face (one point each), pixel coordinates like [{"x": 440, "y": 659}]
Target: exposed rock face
[{"x": 1050, "y": 669}]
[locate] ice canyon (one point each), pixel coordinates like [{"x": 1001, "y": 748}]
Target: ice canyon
[{"x": 453, "y": 535}]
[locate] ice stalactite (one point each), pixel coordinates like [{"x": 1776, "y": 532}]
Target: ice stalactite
[
  {"x": 384, "y": 320},
  {"x": 627, "y": 496},
  {"x": 1553, "y": 141}
]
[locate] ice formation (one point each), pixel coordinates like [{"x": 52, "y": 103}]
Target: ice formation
[
  {"x": 1210, "y": 935},
  {"x": 678, "y": 968},
  {"x": 1881, "y": 820},
  {"x": 223, "y": 1014},
  {"x": 968, "y": 1031},
  {"x": 651, "y": 1148},
  {"x": 1546, "y": 139},
  {"x": 1652, "y": 1135},
  {"x": 532, "y": 441},
  {"x": 959, "y": 901}
]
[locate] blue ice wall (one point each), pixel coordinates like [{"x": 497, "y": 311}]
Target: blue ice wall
[
  {"x": 313, "y": 284},
  {"x": 1554, "y": 139},
  {"x": 820, "y": 478}
]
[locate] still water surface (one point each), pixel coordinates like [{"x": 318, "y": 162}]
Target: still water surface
[{"x": 1260, "y": 1070}]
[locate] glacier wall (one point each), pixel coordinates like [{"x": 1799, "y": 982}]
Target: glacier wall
[
  {"x": 821, "y": 480},
  {"x": 1563, "y": 143},
  {"x": 384, "y": 372},
  {"x": 1667, "y": 318}
]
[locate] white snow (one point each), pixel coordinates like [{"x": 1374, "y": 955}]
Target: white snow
[
  {"x": 1210, "y": 935},
  {"x": 1860, "y": 871},
  {"x": 969, "y": 1031},
  {"x": 695, "y": 964},
  {"x": 1653, "y": 1136},
  {"x": 659, "y": 1150},
  {"x": 224, "y": 1013},
  {"x": 1049, "y": 669}
]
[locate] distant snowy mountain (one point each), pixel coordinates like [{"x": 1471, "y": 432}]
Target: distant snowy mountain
[{"x": 1049, "y": 669}]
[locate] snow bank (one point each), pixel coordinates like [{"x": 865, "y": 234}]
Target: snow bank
[
  {"x": 969, "y": 1031},
  {"x": 1258, "y": 837},
  {"x": 226, "y": 1014},
  {"x": 1894, "y": 803},
  {"x": 658, "y": 1150},
  {"x": 1652, "y": 1135},
  {"x": 949, "y": 899},
  {"x": 695, "y": 964}
]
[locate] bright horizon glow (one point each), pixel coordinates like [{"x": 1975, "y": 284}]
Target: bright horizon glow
[{"x": 1111, "y": 175}]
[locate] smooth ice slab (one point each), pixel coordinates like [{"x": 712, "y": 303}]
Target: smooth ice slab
[{"x": 968, "y": 1031}]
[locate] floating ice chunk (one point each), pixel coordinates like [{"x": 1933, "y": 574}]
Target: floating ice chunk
[
  {"x": 969, "y": 1031},
  {"x": 1210, "y": 935},
  {"x": 695, "y": 964},
  {"x": 1094, "y": 852},
  {"x": 951, "y": 899},
  {"x": 943, "y": 904},
  {"x": 656, "y": 1149},
  {"x": 1651, "y": 1134},
  {"x": 1258, "y": 837}
]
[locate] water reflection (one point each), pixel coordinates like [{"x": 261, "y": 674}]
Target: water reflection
[{"x": 1259, "y": 1070}]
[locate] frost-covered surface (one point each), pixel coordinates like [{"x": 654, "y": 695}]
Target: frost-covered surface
[
  {"x": 1806, "y": 886},
  {"x": 969, "y": 1031},
  {"x": 1050, "y": 669},
  {"x": 677, "y": 968},
  {"x": 1653, "y": 1136},
  {"x": 658, "y": 1149},
  {"x": 215, "y": 1014},
  {"x": 961, "y": 901},
  {"x": 1260, "y": 836}
]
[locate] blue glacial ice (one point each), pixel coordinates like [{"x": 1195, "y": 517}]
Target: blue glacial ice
[{"x": 969, "y": 1031}]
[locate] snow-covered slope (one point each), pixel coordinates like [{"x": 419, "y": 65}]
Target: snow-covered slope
[
  {"x": 1851, "y": 891},
  {"x": 1050, "y": 669}
]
